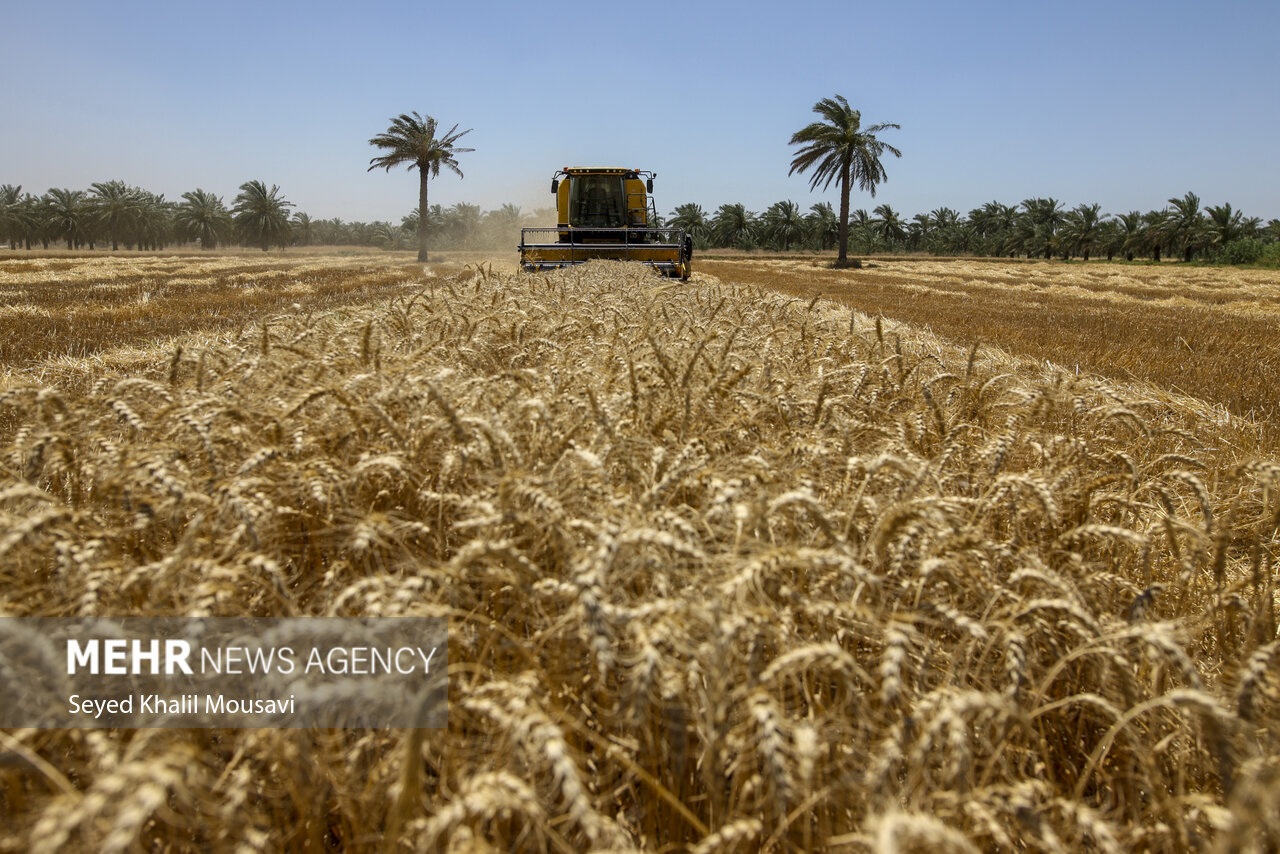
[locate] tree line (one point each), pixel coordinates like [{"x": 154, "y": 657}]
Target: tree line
[
  {"x": 115, "y": 214},
  {"x": 1033, "y": 228}
]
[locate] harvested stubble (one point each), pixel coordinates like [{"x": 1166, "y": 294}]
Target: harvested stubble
[
  {"x": 1204, "y": 331},
  {"x": 55, "y": 313},
  {"x": 724, "y": 570}
]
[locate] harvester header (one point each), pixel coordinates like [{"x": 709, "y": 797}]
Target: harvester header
[{"x": 606, "y": 212}]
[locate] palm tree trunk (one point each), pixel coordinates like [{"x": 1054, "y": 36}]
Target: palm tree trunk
[
  {"x": 843, "y": 258},
  {"x": 422, "y": 213}
]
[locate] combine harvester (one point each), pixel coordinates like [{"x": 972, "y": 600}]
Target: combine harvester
[{"x": 606, "y": 213}]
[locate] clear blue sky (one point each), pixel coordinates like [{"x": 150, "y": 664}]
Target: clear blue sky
[{"x": 1121, "y": 103}]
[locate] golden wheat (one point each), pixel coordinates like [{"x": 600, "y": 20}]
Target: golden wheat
[{"x": 725, "y": 571}]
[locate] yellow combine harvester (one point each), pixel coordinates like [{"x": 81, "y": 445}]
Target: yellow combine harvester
[{"x": 606, "y": 213}]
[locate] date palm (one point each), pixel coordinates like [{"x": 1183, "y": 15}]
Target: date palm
[
  {"x": 26, "y": 222},
  {"x": 840, "y": 149},
  {"x": 693, "y": 219},
  {"x": 411, "y": 141},
  {"x": 330, "y": 232},
  {"x": 783, "y": 224},
  {"x": 1109, "y": 238},
  {"x": 945, "y": 217},
  {"x": 261, "y": 215},
  {"x": 10, "y": 213},
  {"x": 1157, "y": 230},
  {"x": 1039, "y": 226},
  {"x": 1080, "y": 229},
  {"x": 862, "y": 233},
  {"x": 1228, "y": 224},
  {"x": 117, "y": 207},
  {"x": 67, "y": 215},
  {"x": 1131, "y": 229},
  {"x": 1188, "y": 228},
  {"x": 389, "y": 236},
  {"x": 888, "y": 225},
  {"x": 201, "y": 216},
  {"x": 303, "y": 228},
  {"x": 733, "y": 225},
  {"x": 823, "y": 226},
  {"x": 154, "y": 226},
  {"x": 922, "y": 230},
  {"x": 992, "y": 225}
]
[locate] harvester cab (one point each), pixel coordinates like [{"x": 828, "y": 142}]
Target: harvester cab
[{"x": 606, "y": 213}]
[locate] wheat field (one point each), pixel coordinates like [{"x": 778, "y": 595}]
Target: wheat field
[
  {"x": 725, "y": 569},
  {"x": 1202, "y": 331}
]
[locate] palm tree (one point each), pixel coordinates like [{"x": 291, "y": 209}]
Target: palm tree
[
  {"x": 952, "y": 234},
  {"x": 10, "y": 213},
  {"x": 201, "y": 216},
  {"x": 888, "y": 224},
  {"x": 411, "y": 141},
  {"x": 155, "y": 220},
  {"x": 389, "y": 236},
  {"x": 25, "y": 222},
  {"x": 733, "y": 225},
  {"x": 303, "y": 228},
  {"x": 862, "y": 232},
  {"x": 116, "y": 206},
  {"x": 823, "y": 226},
  {"x": 1080, "y": 229},
  {"x": 1109, "y": 238},
  {"x": 361, "y": 233},
  {"x": 1132, "y": 238},
  {"x": 783, "y": 224},
  {"x": 409, "y": 222},
  {"x": 922, "y": 229},
  {"x": 693, "y": 219},
  {"x": 985, "y": 220},
  {"x": 838, "y": 149},
  {"x": 991, "y": 225},
  {"x": 945, "y": 217},
  {"x": 1228, "y": 225},
  {"x": 1039, "y": 226},
  {"x": 1157, "y": 228},
  {"x": 261, "y": 215},
  {"x": 67, "y": 215},
  {"x": 330, "y": 232},
  {"x": 996, "y": 224},
  {"x": 1187, "y": 228},
  {"x": 435, "y": 222}
]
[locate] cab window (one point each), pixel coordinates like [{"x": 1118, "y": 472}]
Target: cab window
[{"x": 597, "y": 201}]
